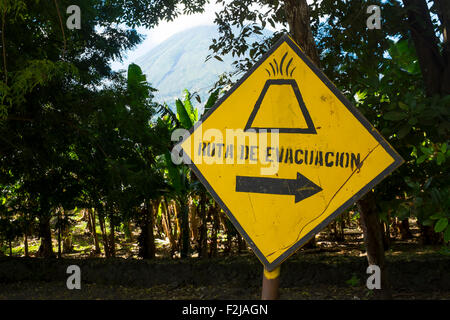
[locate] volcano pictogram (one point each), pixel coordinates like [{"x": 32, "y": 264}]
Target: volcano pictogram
[{"x": 280, "y": 105}]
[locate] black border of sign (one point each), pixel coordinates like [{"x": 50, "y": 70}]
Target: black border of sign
[{"x": 398, "y": 160}]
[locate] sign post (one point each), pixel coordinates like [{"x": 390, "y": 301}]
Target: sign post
[
  {"x": 270, "y": 285},
  {"x": 284, "y": 153}
]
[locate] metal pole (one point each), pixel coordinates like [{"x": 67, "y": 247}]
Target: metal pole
[{"x": 271, "y": 282}]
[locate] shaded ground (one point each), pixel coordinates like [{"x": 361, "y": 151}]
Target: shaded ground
[
  {"x": 335, "y": 270},
  {"x": 54, "y": 290},
  {"x": 416, "y": 273}
]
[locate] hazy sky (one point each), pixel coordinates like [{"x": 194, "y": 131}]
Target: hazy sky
[{"x": 166, "y": 29}]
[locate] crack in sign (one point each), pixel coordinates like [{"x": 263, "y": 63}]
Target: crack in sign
[
  {"x": 253, "y": 209},
  {"x": 357, "y": 169}
]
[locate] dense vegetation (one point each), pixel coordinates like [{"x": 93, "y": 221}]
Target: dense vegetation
[{"x": 78, "y": 139}]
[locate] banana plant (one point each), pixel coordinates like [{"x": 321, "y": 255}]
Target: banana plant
[{"x": 182, "y": 181}]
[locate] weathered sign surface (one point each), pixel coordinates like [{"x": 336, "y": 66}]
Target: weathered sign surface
[{"x": 284, "y": 152}]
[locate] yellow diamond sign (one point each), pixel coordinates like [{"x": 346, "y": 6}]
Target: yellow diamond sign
[{"x": 284, "y": 152}]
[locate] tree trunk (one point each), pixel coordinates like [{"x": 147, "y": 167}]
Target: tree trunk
[
  {"x": 165, "y": 216},
  {"x": 297, "y": 16},
  {"x": 67, "y": 244},
  {"x": 87, "y": 217},
  {"x": 193, "y": 220},
  {"x": 66, "y": 234},
  {"x": 25, "y": 242},
  {"x": 241, "y": 244},
  {"x": 91, "y": 214},
  {"x": 373, "y": 239},
  {"x": 341, "y": 228},
  {"x": 101, "y": 220},
  {"x": 184, "y": 218},
  {"x": 429, "y": 237},
  {"x": 45, "y": 233},
  {"x": 228, "y": 231},
  {"x": 385, "y": 234},
  {"x": 59, "y": 233},
  {"x": 228, "y": 244},
  {"x": 127, "y": 231},
  {"x": 388, "y": 228},
  {"x": 443, "y": 7},
  {"x": 405, "y": 232},
  {"x": 336, "y": 229},
  {"x": 112, "y": 238},
  {"x": 203, "y": 239},
  {"x": 160, "y": 230},
  {"x": 153, "y": 205},
  {"x": 435, "y": 69},
  {"x": 147, "y": 248},
  {"x": 59, "y": 242},
  {"x": 214, "y": 214},
  {"x": 177, "y": 229}
]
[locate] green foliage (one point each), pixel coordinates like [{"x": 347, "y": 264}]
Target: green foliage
[
  {"x": 353, "y": 281},
  {"x": 447, "y": 234},
  {"x": 74, "y": 133},
  {"x": 238, "y": 23},
  {"x": 384, "y": 77},
  {"x": 380, "y": 70},
  {"x": 212, "y": 99},
  {"x": 183, "y": 114},
  {"x": 149, "y": 13},
  {"x": 186, "y": 113},
  {"x": 137, "y": 84},
  {"x": 441, "y": 225},
  {"x": 15, "y": 8}
]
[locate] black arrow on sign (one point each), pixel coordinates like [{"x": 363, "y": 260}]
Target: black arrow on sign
[{"x": 301, "y": 187}]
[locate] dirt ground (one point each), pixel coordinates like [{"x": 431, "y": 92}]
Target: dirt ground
[
  {"x": 54, "y": 290},
  {"x": 415, "y": 273},
  {"x": 333, "y": 270}
]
